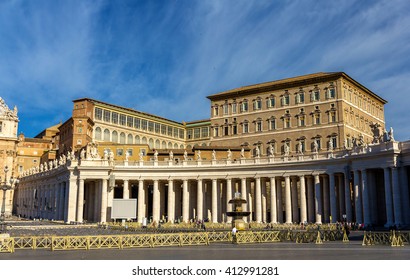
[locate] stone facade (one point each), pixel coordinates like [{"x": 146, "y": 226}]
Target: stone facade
[
  {"x": 8, "y": 141},
  {"x": 312, "y": 149}
]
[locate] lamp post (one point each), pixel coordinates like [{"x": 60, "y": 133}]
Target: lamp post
[{"x": 5, "y": 186}]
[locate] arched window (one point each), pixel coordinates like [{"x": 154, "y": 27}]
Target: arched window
[
  {"x": 130, "y": 139},
  {"x": 106, "y": 135},
  {"x": 97, "y": 133},
  {"x": 114, "y": 136},
  {"x": 151, "y": 143},
  {"x": 144, "y": 140},
  {"x": 137, "y": 140},
  {"x": 169, "y": 145},
  {"x": 164, "y": 145},
  {"x": 157, "y": 144},
  {"x": 122, "y": 138},
  {"x": 176, "y": 146}
]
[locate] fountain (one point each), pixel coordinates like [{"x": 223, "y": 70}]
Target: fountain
[{"x": 237, "y": 214}]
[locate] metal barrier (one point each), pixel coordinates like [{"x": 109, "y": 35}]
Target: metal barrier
[
  {"x": 174, "y": 239},
  {"x": 6, "y": 245},
  {"x": 392, "y": 238},
  {"x": 257, "y": 236}
]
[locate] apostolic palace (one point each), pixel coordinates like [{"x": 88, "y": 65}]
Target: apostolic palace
[{"x": 307, "y": 149}]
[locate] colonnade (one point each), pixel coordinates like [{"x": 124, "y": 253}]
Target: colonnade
[{"x": 364, "y": 196}]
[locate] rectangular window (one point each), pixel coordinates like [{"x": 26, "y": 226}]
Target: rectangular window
[
  {"x": 137, "y": 123},
  {"x": 189, "y": 134},
  {"x": 114, "y": 118},
  {"x": 225, "y": 108},
  {"x": 197, "y": 133},
  {"x": 272, "y": 124},
  {"x": 302, "y": 121},
  {"x": 287, "y": 123},
  {"x": 285, "y": 100},
  {"x": 234, "y": 108},
  {"x": 1, "y": 127},
  {"x": 144, "y": 124},
  {"x": 130, "y": 121},
  {"x": 259, "y": 126},
  {"x": 98, "y": 114},
  {"x": 122, "y": 119},
  {"x": 205, "y": 132},
  {"x": 157, "y": 127},
  {"x": 317, "y": 119},
  {"x": 215, "y": 132},
  {"x": 257, "y": 105},
  {"x": 107, "y": 116},
  {"x": 317, "y": 140},
  {"x": 169, "y": 130},
  {"x": 143, "y": 152},
  {"x": 315, "y": 95},
  {"x": 234, "y": 129},
  {"x": 129, "y": 151},
  {"x": 332, "y": 93},
  {"x": 120, "y": 152},
  {"x": 150, "y": 126},
  {"x": 333, "y": 117},
  {"x": 163, "y": 129},
  {"x": 226, "y": 130},
  {"x": 181, "y": 134},
  {"x": 244, "y": 107},
  {"x": 216, "y": 110},
  {"x": 176, "y": 132},
  {"x": 300, "y": 98},
  {"x": 245, "y": 128},
  {"x": 271, "y": 102}
]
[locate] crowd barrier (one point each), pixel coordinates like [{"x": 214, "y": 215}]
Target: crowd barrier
[{"x": 392, "y": 238}]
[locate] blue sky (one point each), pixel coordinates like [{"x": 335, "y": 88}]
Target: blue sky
[{"x": 165, "y": 57}]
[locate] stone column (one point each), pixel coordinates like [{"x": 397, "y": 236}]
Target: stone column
[
  {"x": 332, "y": 194},
  {"x": 303, "y": 209},
  {"x": 310, "y": 200},
  {"x": 264, "y": 202},
  {"x": 258, "y": 200},
  {"x": 273, "y": 206},
  {"x": 243, "y": 196},
  {"x": 97, "y": 201},
  {"x": 56, "y": 199},
  {"x": 325, "y": 188},
  {"x": 185, "y": 201},
  {"x": 318, "y": 200},
  {"x": 60, "y": 206},
  {"x": 279, "y": 199},
  {"x": 396, "y": 197},
  {"x": 365, "y": 198},
  {"x": 80, "y": 203},
  {"x": 214, "y": 213},
  {"x": 200, "y": 200},
  {"x": 141, "y": 201},
  {"x": 126, "y": 190},
  {"x": 156, "y": 202},
  {"x": 72, "y": 199},
  {"x": 288, "y": 201},
  {"x": 348, "y": 201},
  {"x": 357, "y": 197},
  {"x": 171, "y": 201},
  {"x": 228, "y": 197},
  {"x": 342, "y": 208},
  {"x": 104, "y": 199},
  {"x": 388, "y": 198},
  {"x": 294, "y": 195}
]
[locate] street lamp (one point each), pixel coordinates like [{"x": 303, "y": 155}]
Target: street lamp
[{"x": 5, "y": 186}]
